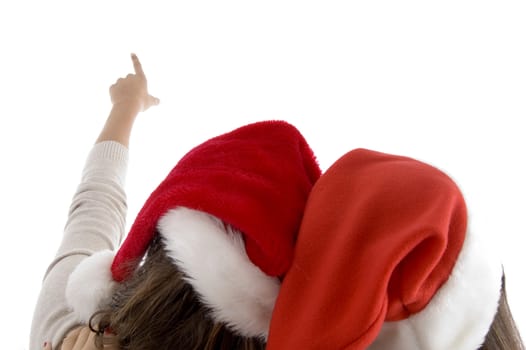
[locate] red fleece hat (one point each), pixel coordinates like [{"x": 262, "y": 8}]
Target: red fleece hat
[
  {"x": 256, "y": 180},
  {"x": 383, "y": 261}
]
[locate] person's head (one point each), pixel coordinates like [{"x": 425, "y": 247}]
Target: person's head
[
  {"x": 162, "y": 301},
  {"x": 220, "y": 232},
  {"x": 158, "y": 309},
  {"x": 385, "y": 259}
]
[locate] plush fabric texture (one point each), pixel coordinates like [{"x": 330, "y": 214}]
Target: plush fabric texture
[
  {"x": 381, "y": 235},
  {"x": 256, "y": 178},
  {"x": 213, "y": 257},
  {"x": 90, "y": 285}
]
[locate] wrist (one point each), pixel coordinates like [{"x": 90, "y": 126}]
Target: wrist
[
  {"x": 124, "y": 112},
  {"x": 119, "y": 123},
  {"x": 130, "y": 105}
]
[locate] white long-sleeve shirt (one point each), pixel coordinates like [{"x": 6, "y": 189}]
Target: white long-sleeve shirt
[{"x": 96, "y": 221}]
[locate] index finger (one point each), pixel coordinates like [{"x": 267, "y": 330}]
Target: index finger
[{"x": 137, "y": 65}]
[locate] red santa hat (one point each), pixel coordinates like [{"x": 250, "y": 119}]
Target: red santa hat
[
  {"x": 229, "y": 213},
  {"x": 385, "y": 260}
]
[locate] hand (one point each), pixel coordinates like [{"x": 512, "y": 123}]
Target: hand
[
  {"x": 133, "y": 90},
  {"x": 81, "y": 338},
  {"x": 129, "y": 97}
]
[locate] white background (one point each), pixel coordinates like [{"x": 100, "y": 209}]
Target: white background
[{"x": 442, "y": 81}]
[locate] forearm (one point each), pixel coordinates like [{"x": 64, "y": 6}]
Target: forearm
[{"x": 120, "y": 122}]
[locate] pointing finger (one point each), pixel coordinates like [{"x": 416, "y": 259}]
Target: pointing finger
[{"x": 137, "y": 65}]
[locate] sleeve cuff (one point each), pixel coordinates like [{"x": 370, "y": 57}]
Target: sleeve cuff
[{"x": 108, "y": 157}]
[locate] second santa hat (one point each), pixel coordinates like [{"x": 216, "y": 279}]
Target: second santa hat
[{"x": 385, "y": 260}]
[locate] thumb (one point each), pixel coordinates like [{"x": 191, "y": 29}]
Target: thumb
[
  {"x": 155, "y": 101},
  {"x": 152, "y": 101}
]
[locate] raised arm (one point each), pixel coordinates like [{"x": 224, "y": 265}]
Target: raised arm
[{"x": 96, "y": 219}]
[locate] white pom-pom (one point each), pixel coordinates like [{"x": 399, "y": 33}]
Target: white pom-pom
[{"x": 90, "y": 286}]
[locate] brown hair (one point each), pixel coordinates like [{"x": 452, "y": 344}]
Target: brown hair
[
  {"x": 503, "y": 333},
  {"x": 158, "y": 309}
]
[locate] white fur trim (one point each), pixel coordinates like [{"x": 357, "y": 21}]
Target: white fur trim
[
  {"x": 90, "y": 286},
  {"x": 213, "y": 257},
  {"x": 461, "y": 312}
]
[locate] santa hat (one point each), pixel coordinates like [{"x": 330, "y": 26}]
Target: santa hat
[
  {"x": 385, "y": 260},
  {"x": 228, "y": 213}
]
